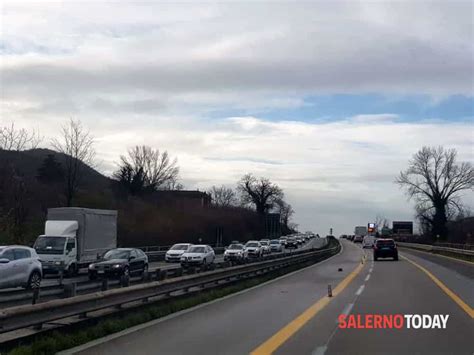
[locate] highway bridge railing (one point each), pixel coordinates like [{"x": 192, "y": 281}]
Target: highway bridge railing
[
  {"x": 36, "y": 315},
  {"x": 466, "y": 254}
]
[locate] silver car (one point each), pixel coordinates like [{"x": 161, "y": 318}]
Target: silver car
[{"x": 19, "y": 267}]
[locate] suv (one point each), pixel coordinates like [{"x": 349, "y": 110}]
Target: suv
[
  {"x": 266, "y": 246},
  {"x": 254, "y": 249},
  {"x": 235, "y": 252},
  {"x": 385, "y": 248},
  {"x": 291, "y": 243},
  {"x": 19, "y": 267}
]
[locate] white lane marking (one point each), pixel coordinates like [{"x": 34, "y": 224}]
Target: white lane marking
[
  {"x": 320, "y": 350},
  {"x": 367, "y": 277},
  {"x": 371, "y": 269},
  {"x": 360, "y": 290},
  {"x": 346, "y": 311}
]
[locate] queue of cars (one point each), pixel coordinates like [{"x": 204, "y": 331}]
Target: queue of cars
[{"x": 21, "y": 266}]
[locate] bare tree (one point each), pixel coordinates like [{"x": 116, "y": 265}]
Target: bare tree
[
  {"x": 223, "y": 196},
  {"x": 12, "y": 138},
  {"x": 147, "y": 169},
  {"x": 381, "y": 222},
  {"x": 77, "y": 145},
  {"x": 435, "y": 179},
  {"x": 286, "y": 212},
  {"x": 260, "y": 192}
]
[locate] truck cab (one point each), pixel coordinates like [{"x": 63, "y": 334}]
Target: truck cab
[{"x": 57, "y": 248}]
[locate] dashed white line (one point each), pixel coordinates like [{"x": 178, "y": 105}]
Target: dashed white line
[
  {"x": 371, "y": 269},
  {"x": 320, "y": 350},
  {"x": 367, "y": 277},
  {"x": 348, "y": 309},
  {"x": 360, "y": 290}
]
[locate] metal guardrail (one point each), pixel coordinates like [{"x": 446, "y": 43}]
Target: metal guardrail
[
  {"x": 33, "y": 315},
  {"x": 455, "y": 246},
  {"x": 437, "y": 249}
]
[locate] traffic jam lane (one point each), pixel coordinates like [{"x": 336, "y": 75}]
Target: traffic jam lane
[
  {"x": 393, "y": 289},
  {"x": 236, "y": 324}
]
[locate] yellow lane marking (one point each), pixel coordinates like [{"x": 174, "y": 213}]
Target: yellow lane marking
[
  {"x": 443, "y": 256},
  {"x": 442, "y": 286},
  {"x": 272, "y": 344}
]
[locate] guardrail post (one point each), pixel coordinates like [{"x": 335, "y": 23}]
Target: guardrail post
[
  {"x": 69, "y": 290},
  {"x": 124, "y": 281},
  {"x": 157, "y": 274},
  {"x": 36, "y": 294},
  {"x": 105, "y": 284},
  {"x": 61, "y": 273},
  {"x": 162, "y": 275}
]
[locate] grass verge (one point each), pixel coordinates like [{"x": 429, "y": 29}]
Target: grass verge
[{"x": 59, "y": 340}]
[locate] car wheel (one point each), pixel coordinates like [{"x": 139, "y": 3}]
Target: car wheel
[
  {"x": 126, "y": 271},
  {"x": 395, "y": 258},
  {"x": 145, "y": 270},
  {"x": 375, "y": 258},
  {"x": 34, "y": 281}
]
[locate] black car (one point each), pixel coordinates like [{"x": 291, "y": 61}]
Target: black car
[
  {"x": 120, "y": 262},
  {"x": 385, "y": 248},
  {"x": 291, "y": 243}
]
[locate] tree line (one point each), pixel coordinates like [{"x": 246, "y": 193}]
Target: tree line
[{"x": 142, "y": 171}]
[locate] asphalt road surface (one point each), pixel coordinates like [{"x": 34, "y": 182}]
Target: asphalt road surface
[{"x": 293, "y": 315}]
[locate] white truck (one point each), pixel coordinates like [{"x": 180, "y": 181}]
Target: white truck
[
  {"x": 74, "y": 237},
  {"x": 359, "y": 233}
]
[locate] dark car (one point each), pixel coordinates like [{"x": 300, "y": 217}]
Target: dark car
[
  {"x": 385, "y": 248},
  {"x": 291, "y": 243},
  {"x": 120, "y": 262}
]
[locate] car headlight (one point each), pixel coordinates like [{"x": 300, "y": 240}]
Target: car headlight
[
  {"x": 116, "y": 266},
  {"x": 57, "y": 263},
  {"x": 91, "y": 267},
  {"x": 197, "y": 257}
]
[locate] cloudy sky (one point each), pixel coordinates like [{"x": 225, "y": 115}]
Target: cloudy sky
[{"x": 328, "y": 99}]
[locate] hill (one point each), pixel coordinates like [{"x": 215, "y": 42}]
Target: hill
[{"x": 163, "y": 218}]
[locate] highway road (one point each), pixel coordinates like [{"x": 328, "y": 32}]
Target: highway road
[{"x": 293, "y": 315}]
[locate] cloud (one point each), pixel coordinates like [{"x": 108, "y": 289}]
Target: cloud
[
  {"x": 200, "y": 79},
  {"x": 231, "y": 55}
]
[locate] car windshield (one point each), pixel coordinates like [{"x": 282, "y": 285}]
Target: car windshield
[
  {"x": 117, "y": 254},
  {"x": 252, "y": 245},
  {"x": 235, "y": 246},
  {"x": 275, "y": 241},
  {"x": 180, "y": 247},
  {"x": 264, "y": 242},
  {"x": 196, "y": 250},
  {"x": 50, "y": 245}
]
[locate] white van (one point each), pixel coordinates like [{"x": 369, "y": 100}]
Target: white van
[{"x": 368, "y": 241}]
